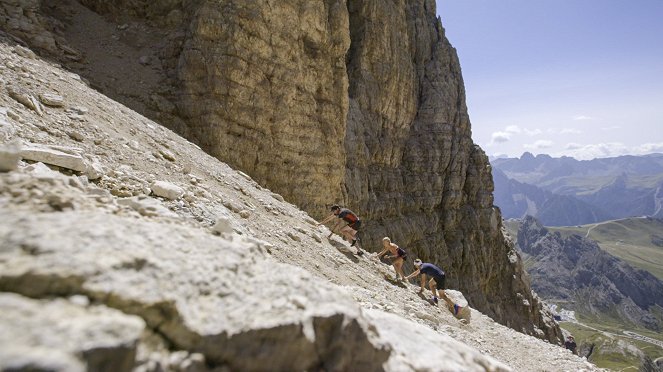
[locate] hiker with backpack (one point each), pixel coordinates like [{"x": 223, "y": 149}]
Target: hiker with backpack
[
  {"x": 435, "y": 283},
  {"x": 398, "y": 256},
  {"x": 347, "y": 217}
]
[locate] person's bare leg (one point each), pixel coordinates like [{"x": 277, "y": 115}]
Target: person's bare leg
[
  {"x": 433, "y": 286},
  {"x": 398, "y": 265},
  {"x": 347, "y": 233},
  {"x": 450, "y": 303}
]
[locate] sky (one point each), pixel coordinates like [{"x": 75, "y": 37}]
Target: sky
[{"x": 581, "y": 78}]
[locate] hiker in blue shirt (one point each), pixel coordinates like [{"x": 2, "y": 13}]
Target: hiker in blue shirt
[
  {"x": 348, "y": 217},
  {"x": 435, "y": 283}
]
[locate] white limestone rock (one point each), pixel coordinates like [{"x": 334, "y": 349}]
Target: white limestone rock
[
  {"x": 196, "y": 288},
  {"x": 52, "y": 100},
  {"x": 59, "y": 335},
  {"x": 7, "y": 130},
  {"x": 146, "y": 206},
  {"x": 418, "y": 348},
  {"x": 10, "y": 155},
  {"x": 27, "y": 99},
  {"x": 222, "y": 226},
  {"x": 167, "y": 190},
  {"x": 48, "y": 155}
]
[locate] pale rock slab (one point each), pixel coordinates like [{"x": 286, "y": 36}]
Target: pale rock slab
[
  {"x": 10, "y": 155},
  {"x": 52, "y": 100},
  {"x": 203, "y": 292},
  {"x": 27, "y": 99},
  {"x": 6, "y": 128},
  {"x": 418, "y": 348},
  {"x": 146, "y": 206},
  {"x": 48, "y": 155},
  {"x": 59, "y": 335},
  {"x": 167, "y": 190},
  {"x": 222, "y": 226}
]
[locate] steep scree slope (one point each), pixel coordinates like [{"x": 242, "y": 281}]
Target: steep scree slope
[{"x": 141, "y": 252}]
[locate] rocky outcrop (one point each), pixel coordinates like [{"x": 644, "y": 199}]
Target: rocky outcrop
[
  {"x": 575, "y": 271},
  {"x": 65, "y": 335},
  {"x": 357, "y": 102}
]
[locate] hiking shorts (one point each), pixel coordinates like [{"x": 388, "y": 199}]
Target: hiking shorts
[
  {"x": 355, "y": 226},
  {"x": 439, "y": 280},
  {"x": 401, "y": 253}
]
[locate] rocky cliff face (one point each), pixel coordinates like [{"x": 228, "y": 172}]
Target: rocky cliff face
[{"x": 358, "y": 102}]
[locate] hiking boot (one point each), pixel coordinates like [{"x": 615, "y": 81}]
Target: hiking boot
[{"x": 434, "y": 300}]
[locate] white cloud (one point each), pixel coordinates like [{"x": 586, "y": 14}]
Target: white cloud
[
  {"x": 614, "y": 127},
  {"x": 532, "y": 132},
  {"x": 512, "y": 129},
  {"x": 539, "y": 145},
  {"x": 583, "y": 117},
  {"x": 573, "y": 146},
  {"x": 500, "y": 137},
  {"x": 598, "y": 150},
  {"x": 648, "y": 148},
  {"x": 608, "y": 150},
  {"x": 570, "y": 131}
]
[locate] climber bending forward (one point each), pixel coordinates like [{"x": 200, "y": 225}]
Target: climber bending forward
[
  {"x": 437, "y": 278},
  {"x": 398, "y": 255},
  {"x": 347, "y": 217}
]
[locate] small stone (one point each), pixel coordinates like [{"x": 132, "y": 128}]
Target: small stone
[
  {"x": 222, "y": 226},
  {"x": 144, "y": 60},
  {"x": 167, "y": 155},
  {"x": 76, "y": 136},
  {"x": 294, "y": 236},
  {"x": 25, "y": 98},
  {"x": 244, "y": 213},
  {"x": 167, "y": 190},
  {"x": 133, "y": 144},
  {"x": 10, "y": 155},
  {"x": 79, "y": 300},
  {"x": 146, "y": 206},
  {"x": 59, "y": 202},
  {"x": 13, "y": 115},
  {"x": 80, "y": 110},
  {"x": 52, "y": 100},
  {"x": 94, "y": 170},
  {"x": 24, "y": 52},
  {"x": 277, "y": 197}
]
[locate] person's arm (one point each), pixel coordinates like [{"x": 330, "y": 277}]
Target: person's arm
[
  {"x": 415, "y": 273},
  {"x": 395, "y": 248},
  {"x": 329, "y": 218},
  {"x": 383, "y": 252},
  {"x": 423, "y": 281}
]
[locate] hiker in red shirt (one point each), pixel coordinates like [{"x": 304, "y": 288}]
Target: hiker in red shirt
[{"x": 346, "y": 216}]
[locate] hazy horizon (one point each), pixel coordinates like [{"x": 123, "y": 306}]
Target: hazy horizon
[{"x": 581, "y": 79}]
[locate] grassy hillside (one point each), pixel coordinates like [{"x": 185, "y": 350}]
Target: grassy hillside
[
  {"x": 612, "y": 349},
  {"x": 639, "y": 241}
]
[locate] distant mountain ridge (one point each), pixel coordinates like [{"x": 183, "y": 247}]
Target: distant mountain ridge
[
  {"x": 517, "y": 200},
  {"x": 608, "y": 188}
]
